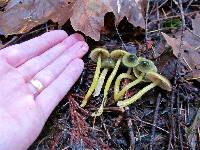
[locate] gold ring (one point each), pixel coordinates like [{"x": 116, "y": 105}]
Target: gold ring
[{"x": 37, "y": 85}]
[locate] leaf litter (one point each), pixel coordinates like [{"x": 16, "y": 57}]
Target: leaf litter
[
  {"x": 85, "y": 15},
  {"x": 155, "y": 124},
  {"x": 190, "y": 52}
]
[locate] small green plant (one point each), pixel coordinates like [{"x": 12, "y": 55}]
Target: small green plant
[{"x": 172, "y": 23}]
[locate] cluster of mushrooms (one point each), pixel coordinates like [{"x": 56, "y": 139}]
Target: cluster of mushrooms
[{"x": 139, "y": 70}]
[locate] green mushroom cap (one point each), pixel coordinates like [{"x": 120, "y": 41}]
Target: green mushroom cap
[
  {"x": 164, "y": 83},
  {"x": 108, "y": 63},
  {"x": 118, "y": 53},
  {"x": 130, "y": 60},
  {"x": 99, "y": 51},
  {"x": 144, "y": 66}
]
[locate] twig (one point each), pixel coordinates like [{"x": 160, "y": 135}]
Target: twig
[
  {"x": 146, "y": 23},
  {"x": 176, "y": 16},
  {"x": 159, "y": 128},
  {"x": 120, "y": 38},
  {"x": 158, "y": 7},
  {"x": 182, "y": 14},
  {"x": 8, "y": 43},
  {"x": 108, "y": 109},
  {"x": 172, "y": 131},
  {"x": 129, "y": 122},
  {"x": 155, "y": 121},
  {"x": 130, "y": 128},
  {"x": 179, "y": 127},
  {"x": 190, "y": 2}
]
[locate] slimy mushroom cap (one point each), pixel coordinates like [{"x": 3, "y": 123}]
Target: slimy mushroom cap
[
  {"x": 130, "y": 60},
  {"x": 99, "y": 51},
  {"x": 108, "y": 63},
  {"x": 145, "y": 65},
  {"x": 164, "y": 82},
  {"x": 116, "y": 54}
]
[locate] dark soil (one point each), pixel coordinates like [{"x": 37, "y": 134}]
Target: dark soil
[{"x": 159, "y": 120}]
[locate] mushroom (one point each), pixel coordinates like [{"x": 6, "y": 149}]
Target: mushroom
[
  {"x": 115, "y": 55},
  {"x": 118, "y": 81},
  {"x": 140, "y": 70},
  {"x": 157, "y": 80},
  {"x": 144, "y": 66},
  {"x": 96, "y": 55},
  {"x": 130, "y": 61},
  {"x": 106, "y": 64}
]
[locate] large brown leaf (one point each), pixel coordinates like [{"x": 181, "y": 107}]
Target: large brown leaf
[
  {"x": 129, "y": 8},
  {"x": 86, "y": 15},
  {"x": 188, "y": 56},
  {"x": 21, "y": 16},
  {"x": 3, "y": 2},
  {"x": 193, "y": 38}
]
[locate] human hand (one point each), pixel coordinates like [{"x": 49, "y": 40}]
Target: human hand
[{"x": 54, "y": 60}]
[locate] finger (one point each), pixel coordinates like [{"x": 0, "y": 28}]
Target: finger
[
  {"x": 53, "y": 94},
  {"x": 36, "y": 64},
  {"x": 51, "y": 72},
  {"x": 4, "y": 67},
  {"x": 19, "y": 53}
]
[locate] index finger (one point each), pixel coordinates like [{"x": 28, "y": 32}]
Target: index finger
[{"x": 20, "y": 53}]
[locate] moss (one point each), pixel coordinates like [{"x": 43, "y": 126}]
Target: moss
[{"x": 172, "y": 23}]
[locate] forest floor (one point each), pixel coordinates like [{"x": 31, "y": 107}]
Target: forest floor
[{"x": 160, "y": 119}]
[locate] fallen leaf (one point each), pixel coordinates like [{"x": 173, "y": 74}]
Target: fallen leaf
[
  {"x": 192, "y": 131},
  {"x": 194, "y": 75},
  {"x": 86, "y": 15},
  {"x": 193, "y": 38},
  {"x": 131, "y": 9},
  {"x": 3, "y": 2},
  {"x": 31, "y": 13},
  {"x": 188, "y": 56}
]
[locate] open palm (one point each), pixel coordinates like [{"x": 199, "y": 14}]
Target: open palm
[{"x": 54, "y": 60}]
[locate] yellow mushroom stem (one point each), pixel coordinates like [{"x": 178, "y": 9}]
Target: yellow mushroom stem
[
  {"x": 138, "y": 95},
  {"x": 129, "y": 71},
  {"x": 121, "y": 93},
  {"x": 94, "y": 82},
  {"x": 118, "y": 81},
  {"x": 100, "y": 82},
  {"x": 106, "y": 89},
  {"x": 111, "y": 77},
  {"x": 130, "y": 85}
]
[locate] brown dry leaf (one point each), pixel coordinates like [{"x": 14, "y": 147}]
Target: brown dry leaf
[
  {"x": 193, "y": 131},
  {"x": 131, "y": 9},
  {"x": 86, "y": 15},
  {"x": 23, "y": 15},
  {"x": 193, "y": 38},
  {"x": 3, "y": 2},
  {"x": 189, "y": 57}
]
